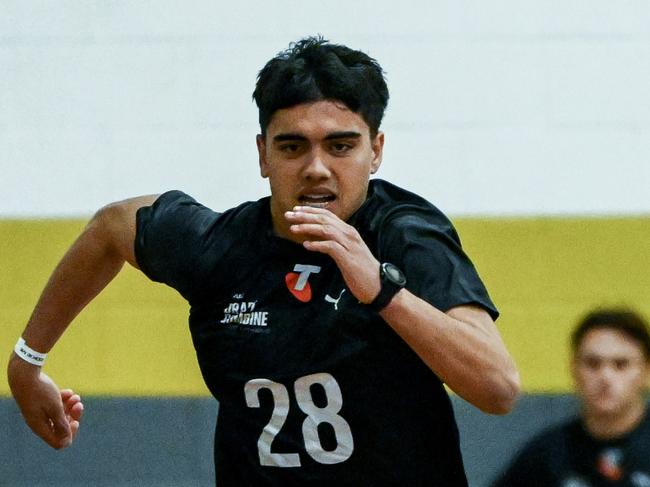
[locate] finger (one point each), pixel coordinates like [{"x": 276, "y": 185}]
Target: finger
[
  {"x": 73, "y": 404},
  {"x": 60, "y": 427},
  {"x": 71, "y": 401},
  {"x": 74, "y": 428},
  {"x": 329, "y": 247},
  {"x": 331, "y": 241},
  {"x": 56, "y": 413},
  {"x": 321, "y": 231},
  {"x": 311, "y": 209},
  {"x": 66, "y": 394},
  {"x": 300, "y": 217},
  {"x": 75, "y": 412},
  {"x": 315, "y": 214}
]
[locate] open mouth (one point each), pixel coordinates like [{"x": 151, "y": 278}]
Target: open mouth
[{"x": 316, "y": 200}]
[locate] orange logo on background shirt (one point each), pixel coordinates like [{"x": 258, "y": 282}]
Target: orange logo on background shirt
[
  {"x": 297, "y": 281},
  {"x": 609, "y": 464}
]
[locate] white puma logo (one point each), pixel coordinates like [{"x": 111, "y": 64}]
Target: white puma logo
[{"x": 335, "y": 302}]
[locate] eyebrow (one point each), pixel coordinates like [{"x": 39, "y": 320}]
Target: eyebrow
[
  {"x": 605, "y": 358},
  {"x": 334, "y": 135},
  {"x": 343, "y": 135}
]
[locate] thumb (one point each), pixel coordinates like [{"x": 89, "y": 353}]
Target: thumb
[
  {"x": 61, "y": 426},
  {"x": 60, "y": 430}
]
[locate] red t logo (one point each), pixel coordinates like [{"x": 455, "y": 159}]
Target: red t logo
[{"x": 297, "y": 282}]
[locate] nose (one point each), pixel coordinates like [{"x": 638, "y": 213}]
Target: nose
[
  {"x": 607, "y": 373},
  {"x": 315, "y": 166}
]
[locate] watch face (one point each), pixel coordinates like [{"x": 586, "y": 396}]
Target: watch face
[{"x": 394, "y": 274}]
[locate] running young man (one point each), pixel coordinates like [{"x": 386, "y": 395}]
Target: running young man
[
  {"x": 325, "y": 318},
  {"x": 609, "y": 444}
]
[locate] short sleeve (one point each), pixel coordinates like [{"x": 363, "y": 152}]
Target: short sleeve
[
  {"x": 427, "y": 249},
  {"x": 170, "y": 240}
]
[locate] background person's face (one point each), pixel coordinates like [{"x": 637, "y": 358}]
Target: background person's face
[
  {"x": 317, "y": 154},
  {"x": 610, "y": 372}
]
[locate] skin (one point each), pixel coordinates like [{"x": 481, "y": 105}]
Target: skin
[
  {"x": 320, "y": 150},
  {"x": 302, "y": 154},
  {"x": 88, "y": 266},
  {"x": 318, "y": 158},
  {"x": 610, "y": 373}
]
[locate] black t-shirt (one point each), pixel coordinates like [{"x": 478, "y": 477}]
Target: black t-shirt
[
  {"x": 313, "y": 388},
  {"x": 568, "y": 456}
]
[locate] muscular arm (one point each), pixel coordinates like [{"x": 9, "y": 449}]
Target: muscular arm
[
  {"x": 462, "y": 346},
  {"x": 88, "y": 266}
]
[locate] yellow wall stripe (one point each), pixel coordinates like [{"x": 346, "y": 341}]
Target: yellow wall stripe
[{"x": 543, "y": 274}]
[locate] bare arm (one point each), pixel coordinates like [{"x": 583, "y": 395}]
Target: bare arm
[
  {"x": 463, "y": 346},
  {"x": 88, "y": 266}
]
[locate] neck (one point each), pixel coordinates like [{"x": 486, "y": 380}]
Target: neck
[{"x": 615, "y": 425}]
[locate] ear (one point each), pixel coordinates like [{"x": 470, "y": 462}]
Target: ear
[
  {"x": 378, "y": 150},
  {"x": 261, "y": 152}
]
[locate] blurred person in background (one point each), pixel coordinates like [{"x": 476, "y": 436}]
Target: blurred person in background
[
  {"x": 609, "y": 443},
  {"x": 325, "y": 318}
]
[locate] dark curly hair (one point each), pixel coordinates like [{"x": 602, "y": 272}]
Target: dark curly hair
[
  {"x": 311, "y": 70},
  {"x": 622, "y": 319}
]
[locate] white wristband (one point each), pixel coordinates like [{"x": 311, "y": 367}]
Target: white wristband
[{"x": 29, "y": 355}]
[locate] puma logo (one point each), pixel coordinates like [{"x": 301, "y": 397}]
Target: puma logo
[{"x": 335, "y": 302}]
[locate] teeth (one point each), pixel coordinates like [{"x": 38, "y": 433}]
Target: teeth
[
  {"x": 318, "y": 197},
  {"x": 317, "y": 200}
]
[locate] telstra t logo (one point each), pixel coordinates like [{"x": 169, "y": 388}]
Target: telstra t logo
[{"x": 298, "y": 283}]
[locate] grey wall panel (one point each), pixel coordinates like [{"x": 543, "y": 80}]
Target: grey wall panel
[
  {"x": 123, "y": 442},
  {"x": 129, "y": 442},
  {"x": 489, "y": 442}
]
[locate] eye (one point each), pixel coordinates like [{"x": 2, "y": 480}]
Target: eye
[
  {"x": 592, "y": 363},
  {"x": 621, "y": 364},
  {"x": 289, "y": 148},
  {"x": 340, "y": 147}
]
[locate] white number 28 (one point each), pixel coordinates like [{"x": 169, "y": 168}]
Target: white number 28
[{"x": 315, "y": 416}]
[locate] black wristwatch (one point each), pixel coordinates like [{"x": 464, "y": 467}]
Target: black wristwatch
[{"x": 392, "y": 280}]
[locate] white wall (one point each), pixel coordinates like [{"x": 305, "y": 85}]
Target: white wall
[{"x": 500, "y": 107}]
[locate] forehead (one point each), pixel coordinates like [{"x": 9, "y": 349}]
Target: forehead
[
  {"x": 609, "y": 343},
  {"x": 316, "y": 119}
]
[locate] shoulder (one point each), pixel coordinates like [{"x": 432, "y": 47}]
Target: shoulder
[
  {"x": 174, "y": 196},
  {"x": 390, "y": 207},
  {"x": 172, "y": 210},
  {"x": 405, "y": 229},
  {"x": 540, "y": 460},
  {"x": 551, "y": 437},
  {"x": 642, "y": 431},
  {"x": 389, "y": 199},
  {"x": 548, "y": 441},
  {"x": 177, "y": 238},
  {"x": 176, "y": 200},
  {"x": 181, "y": 211}
]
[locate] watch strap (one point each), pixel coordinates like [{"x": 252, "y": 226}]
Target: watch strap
[{"x": 389, "y": 288}]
